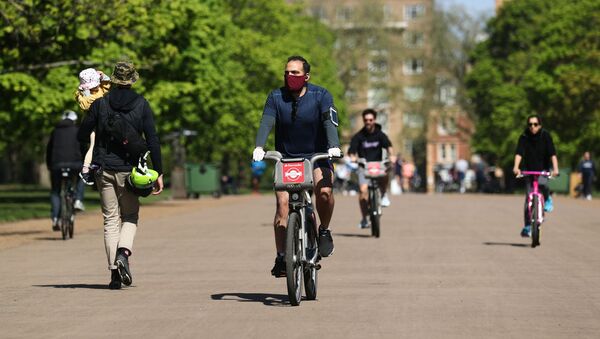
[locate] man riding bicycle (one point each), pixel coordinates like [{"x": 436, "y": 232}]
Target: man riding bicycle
[
  {"x": 63, "y": 151},
  {"x": 535, "y": 152},
  {"x": 305, "y": 123},
  {"x": 369, "y": 144}
]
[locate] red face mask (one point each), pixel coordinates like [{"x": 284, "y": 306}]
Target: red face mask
[{"x": 295, "y": 82}]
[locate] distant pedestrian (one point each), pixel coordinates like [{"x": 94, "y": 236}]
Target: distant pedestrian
[
  {"x": 258, "y": 169},
  {"x": 461, "y": 166},
  {"x": 587, "y": 169}
]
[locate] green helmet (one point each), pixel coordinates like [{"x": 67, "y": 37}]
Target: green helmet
[{"x": 141, "y": 180}]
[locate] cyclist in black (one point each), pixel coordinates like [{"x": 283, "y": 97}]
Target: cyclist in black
[
  {"x": 369, "y": 144},
  {"x": 535, "y": 152},
  {"x": 305, "y": 123},
  {"x": 63, "y": 151}
]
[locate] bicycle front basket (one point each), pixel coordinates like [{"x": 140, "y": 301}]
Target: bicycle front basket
[
  {"x": 375, "y": 169},
  {"x": 293, "y": 175}
]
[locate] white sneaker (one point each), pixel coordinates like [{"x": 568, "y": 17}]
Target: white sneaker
[
  {"x": 78, "y": 205},
  {"x": 588, "y": 197},
  {"x": 363, "y": 224},
  {"x": 385, "y": 201}
]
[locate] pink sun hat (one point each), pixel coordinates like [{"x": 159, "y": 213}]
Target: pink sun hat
[{"x": 88, "y": 79}]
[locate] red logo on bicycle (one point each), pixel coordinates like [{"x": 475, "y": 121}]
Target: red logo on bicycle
[{"x": 293, "y": 173}]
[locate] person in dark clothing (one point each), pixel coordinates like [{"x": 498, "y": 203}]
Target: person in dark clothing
[
  {"x": 588, "y": 172},
  {"x": 535, "y": 152},
  {"x": 120, "y": 205},
  {"x": 369, "y": 144},
  {"x": 63, "y": 151},
  {"x": 305, "y": 122}
]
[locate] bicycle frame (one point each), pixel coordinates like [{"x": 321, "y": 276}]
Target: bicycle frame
[{"x": 535, "y": 192}]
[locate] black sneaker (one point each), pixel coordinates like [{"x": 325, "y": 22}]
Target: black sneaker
[
  {"x": 122, "y": 263},
  {"x": 115, "y": 280},
  {"x": 278, "y": 270},
  {"x": 87, "y": 178},
  {"x": 325, "y": 242},
  {"x": 55, "y": 225}
]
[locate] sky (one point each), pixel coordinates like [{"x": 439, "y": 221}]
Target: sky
[{"x": 473, "y": 6}]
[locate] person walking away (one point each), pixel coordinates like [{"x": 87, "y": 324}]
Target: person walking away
[
  {"x": 63, "y": 151},
  {"x": 587, "y": 169},
  {"x": 122, "y": 109},
  {"x": 535, "y": 152},
  {"x": 93, "y": 84},
  {"x": 305, "y": 122}
]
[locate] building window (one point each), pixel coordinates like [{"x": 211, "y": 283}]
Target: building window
[
  {"x": 377, "y": 97},
  {"x": 318, "y": 12},
  {"x": 447, "y": 95},
  {"x": 378, "y": 70},
  {"x": 415, "y": 11},
  {"x": 441, "y": 152},
  {"x": 413, "y": 93},
  {"x": 414, "y": 39},
  {"x": 344, "y": 14},
  {"x": 387, "y": 12},
  {"x": 412, "y": 120},
  {"x": 413, "y": 66},
  {"x": 446, "y": 126}
]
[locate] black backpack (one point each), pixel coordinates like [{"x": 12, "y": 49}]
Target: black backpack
[{"x": 122, "y": 132}]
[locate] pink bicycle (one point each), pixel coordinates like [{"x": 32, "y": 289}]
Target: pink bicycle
[{"x": 535, "y": 205}]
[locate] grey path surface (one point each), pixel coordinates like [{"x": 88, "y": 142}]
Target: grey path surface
[{"x": 446, "y": 267}]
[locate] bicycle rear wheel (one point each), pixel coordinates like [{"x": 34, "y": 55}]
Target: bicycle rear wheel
[
  {"x": 535, "y": 224},
  {"x": 65, "y": 219},
  {"x": 311, "y": 272},
  {"x": 374, "y": 201},
  {"x": 293, "y": 256}
]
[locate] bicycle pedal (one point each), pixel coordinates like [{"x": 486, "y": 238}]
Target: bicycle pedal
[{"x": 318, "y": 266}]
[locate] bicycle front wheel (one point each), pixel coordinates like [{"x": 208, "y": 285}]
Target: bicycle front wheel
[
  {"x": 293, "y": 259},
  {"x": 535, "y": 224},
  {"x": 311, "y": 272},
  {"x": 374, "y": 215}
]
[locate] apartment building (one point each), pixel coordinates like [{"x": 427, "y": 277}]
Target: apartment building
[{"x": 384, "y": 50}]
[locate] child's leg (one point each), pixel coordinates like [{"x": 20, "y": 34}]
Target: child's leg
[{"x": 88, "y": 155}]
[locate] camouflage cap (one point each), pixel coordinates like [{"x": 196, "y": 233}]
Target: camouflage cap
[{"x": 124, "y": 73}]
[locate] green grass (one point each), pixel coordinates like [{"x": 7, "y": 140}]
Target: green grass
[{"x": 19, "y": 202}]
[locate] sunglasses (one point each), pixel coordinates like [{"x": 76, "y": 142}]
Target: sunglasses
[{"x": 534, "y": 124}]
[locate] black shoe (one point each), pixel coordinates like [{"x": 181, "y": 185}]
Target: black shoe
[
  {"x": 278, "y": 270},
  {"x": 87, "y": 178},
  {"x": 122, "y": 263},
  {"x": 115, "y": 280},
  {"x": 325, "y": 243},
  {"x": 55, "y": 225}
]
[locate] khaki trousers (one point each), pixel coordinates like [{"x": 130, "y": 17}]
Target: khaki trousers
[{"x": 120, "y": 208}]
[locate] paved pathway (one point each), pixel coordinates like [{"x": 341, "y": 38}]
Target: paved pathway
[{"x": 447, "y": 266}]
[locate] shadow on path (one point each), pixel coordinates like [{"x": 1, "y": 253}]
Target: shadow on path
[
  {"x": 88, "y": 286},
  {"x": 352, "y": 235},
  {"x": 266, "y": 299},
  {"x": 489, "y": 243},
  {"x": 7, "y": 234}
]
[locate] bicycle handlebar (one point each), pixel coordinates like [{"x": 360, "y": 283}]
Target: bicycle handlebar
[
  {"x": 363, "y": 162},
  {"x": 274, "y": 155},
  {"x": 535, "y": 173}
]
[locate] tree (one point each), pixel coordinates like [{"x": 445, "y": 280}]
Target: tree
[
  {"x": 541, "y": 57},
  {"x": 204, "y": 65}
]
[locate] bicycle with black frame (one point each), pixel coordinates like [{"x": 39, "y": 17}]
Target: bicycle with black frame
[
  {"x": 67, "y": 202},
  {"x": 295, "y": 176},
  {"x": 374, "y": 171}
]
